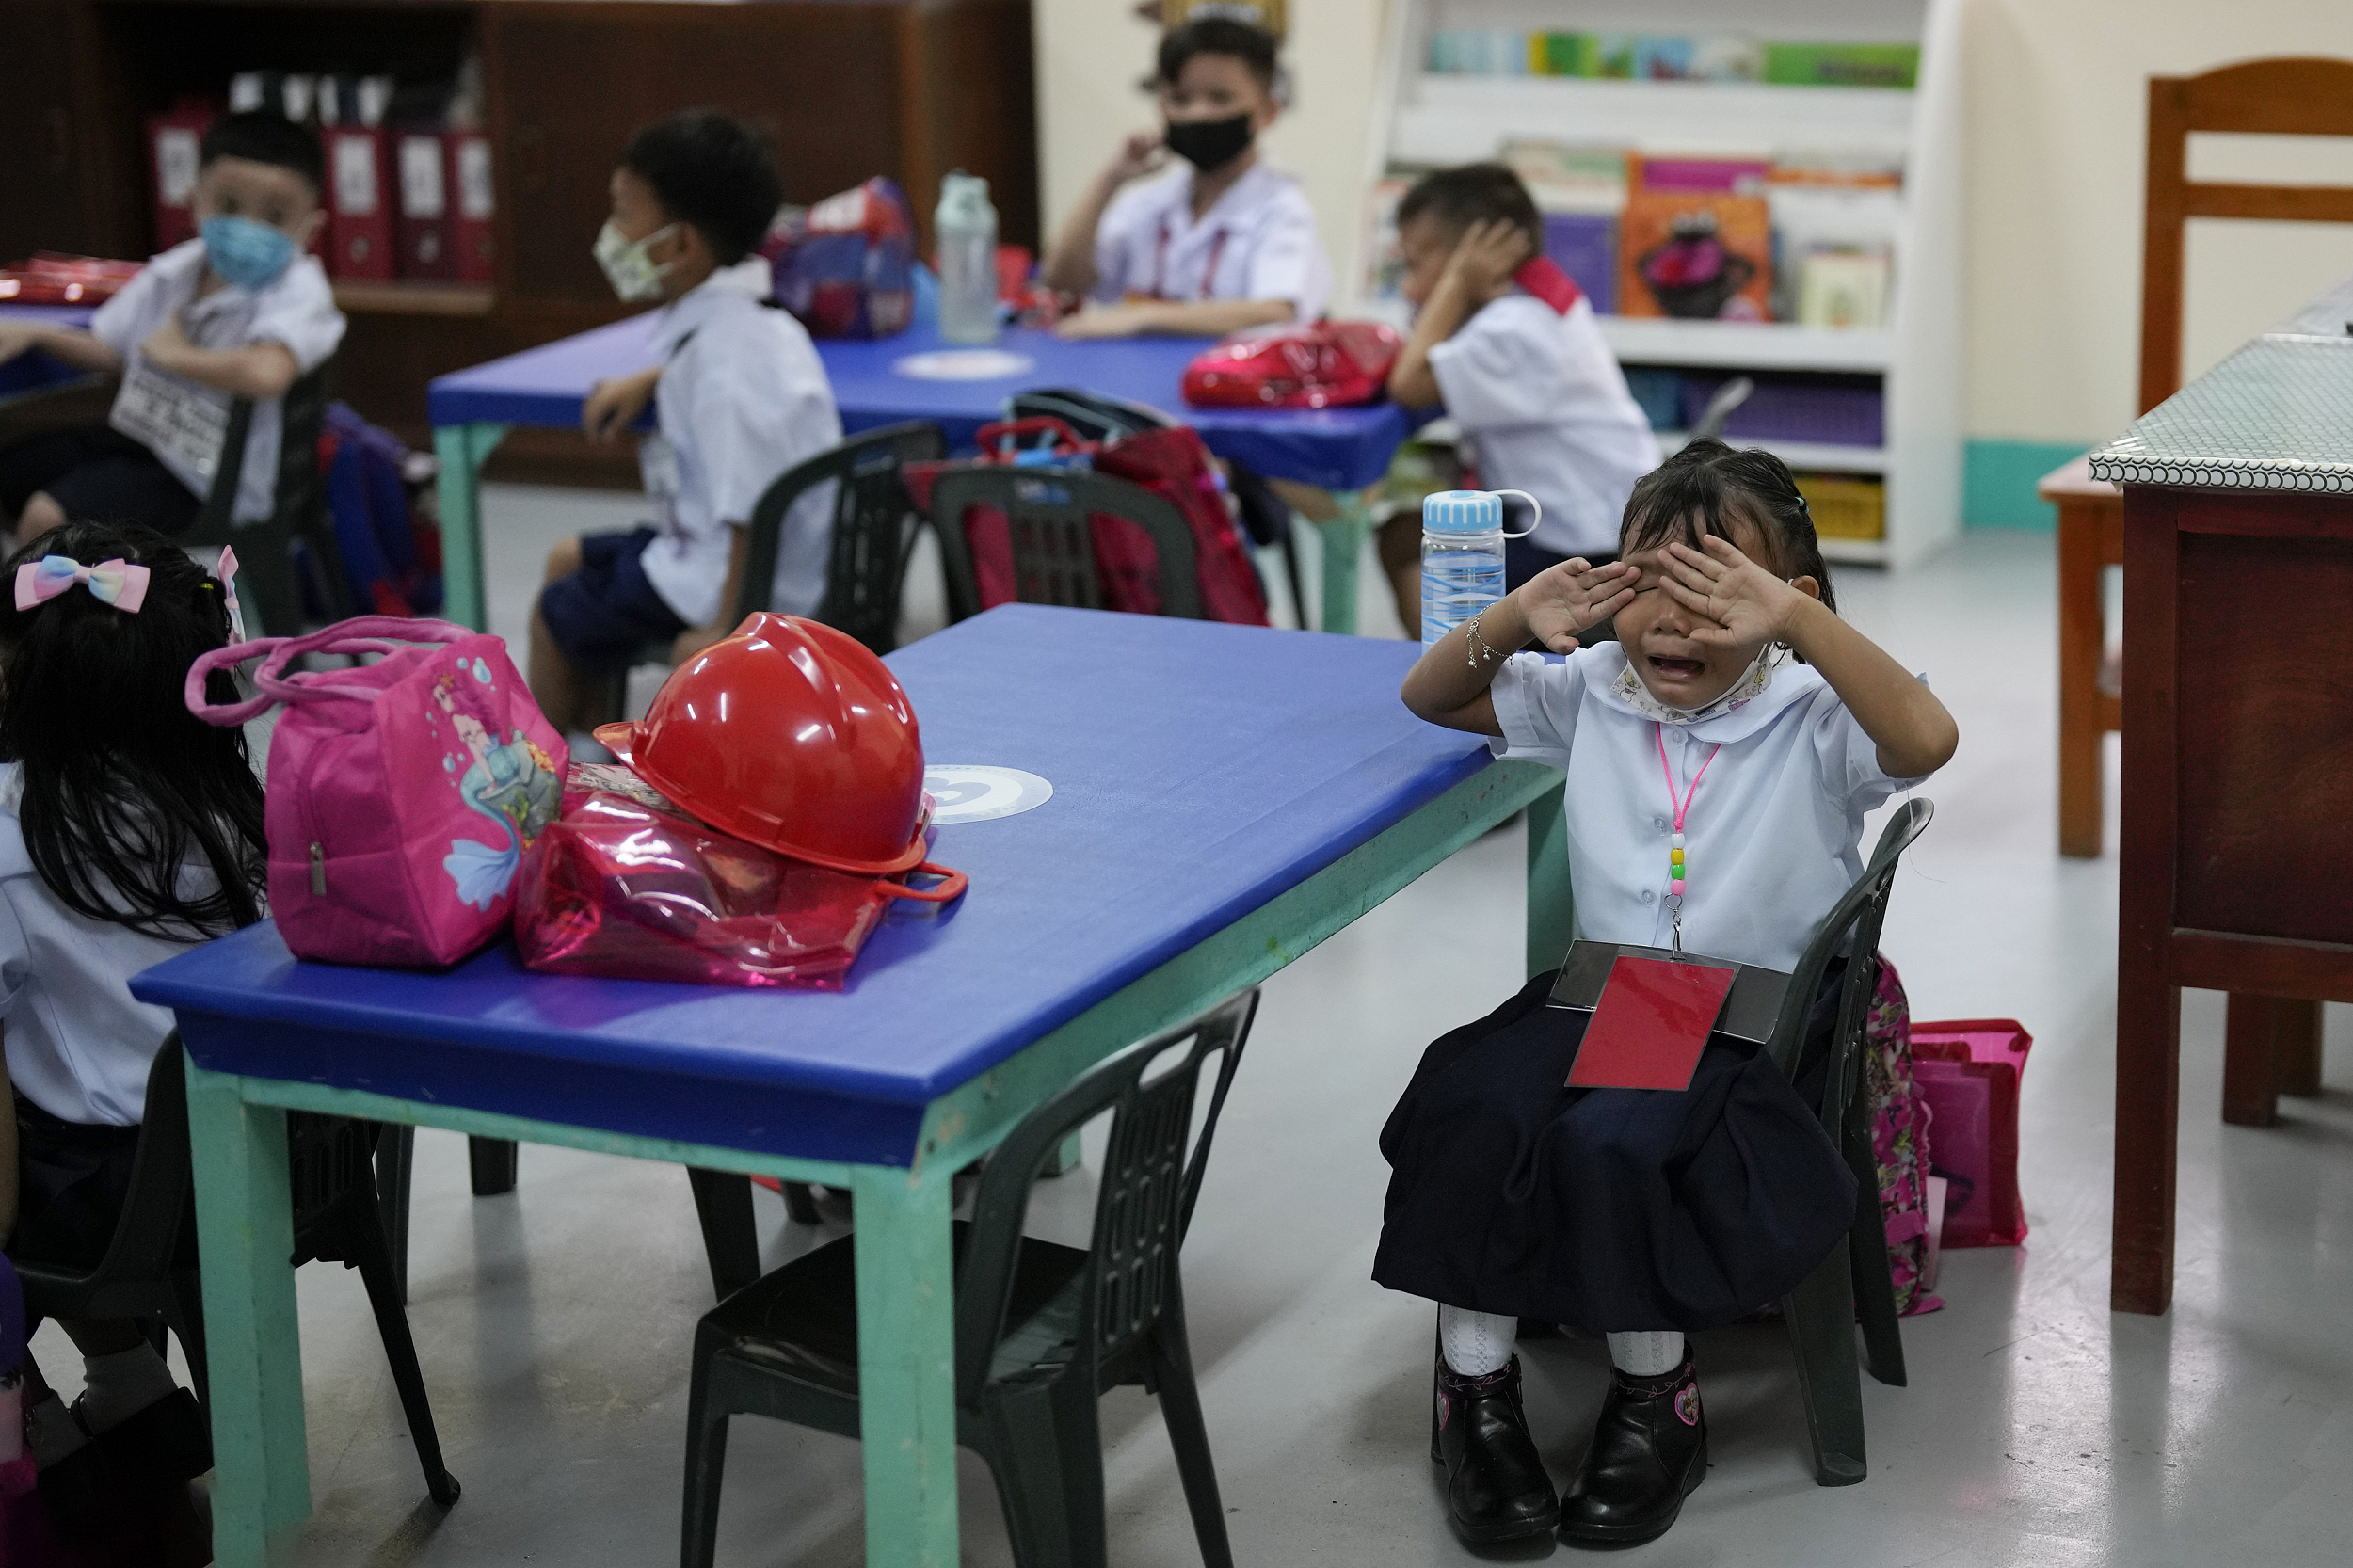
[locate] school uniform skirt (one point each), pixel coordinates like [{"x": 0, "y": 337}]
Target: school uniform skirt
[{"x": 1611, "y": 1209}]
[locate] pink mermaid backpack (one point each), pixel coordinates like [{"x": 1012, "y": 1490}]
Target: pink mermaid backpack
[{"x": 401, "y": 793}]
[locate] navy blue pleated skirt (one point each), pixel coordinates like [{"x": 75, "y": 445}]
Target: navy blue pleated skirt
[{"x": 1612, "y": 1209}]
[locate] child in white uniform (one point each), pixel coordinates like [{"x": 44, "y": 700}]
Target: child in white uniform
[
  {"x": 1218, "y": 244},
  {"x": 129, "y": 831},
  {"x": 1541, "y": 402},
  {"x": 241, "y": 312},
  {"x": 1644, "y": 1213},
  {"x": 744, "y": 397}
]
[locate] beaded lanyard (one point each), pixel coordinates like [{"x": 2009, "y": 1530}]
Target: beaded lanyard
[{"x": 1674, "y": 842}]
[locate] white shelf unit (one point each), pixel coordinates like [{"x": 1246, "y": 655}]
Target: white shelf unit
[{"x": 1426, "y": 118}]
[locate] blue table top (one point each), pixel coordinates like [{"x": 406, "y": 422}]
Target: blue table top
[
  {"x": 29, "y": 371},
  {"x": 1199, "y": 770},
  {"x": 1334, "y": 448}
]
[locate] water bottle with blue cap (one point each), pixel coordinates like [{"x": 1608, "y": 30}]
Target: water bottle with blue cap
[{"x": 1462, "y": 555}]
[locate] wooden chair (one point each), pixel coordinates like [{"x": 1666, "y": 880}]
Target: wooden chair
[{"x": 2272, "y": 1044}]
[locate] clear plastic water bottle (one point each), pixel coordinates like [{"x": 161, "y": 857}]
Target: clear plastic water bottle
[
  {"x": 1462, "y": 555},
  {"x": 965, "y": 227}
]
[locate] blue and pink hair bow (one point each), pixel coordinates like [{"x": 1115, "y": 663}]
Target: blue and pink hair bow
[{"x": 119, "y": 582}]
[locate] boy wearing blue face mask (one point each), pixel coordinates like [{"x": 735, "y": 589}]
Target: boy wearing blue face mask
[
  {"x": 240, "y": 311},
  {"x": 1220, "y": 243}
]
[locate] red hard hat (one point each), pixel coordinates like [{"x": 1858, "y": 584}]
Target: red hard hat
[{"x": 791, "y": 735}]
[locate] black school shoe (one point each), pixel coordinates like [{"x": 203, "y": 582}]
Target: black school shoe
[
  {"x": 1649, "y": 1453},
  {"x": 1496, "y": 1488},
  {"x": 162, "y": 1446}
]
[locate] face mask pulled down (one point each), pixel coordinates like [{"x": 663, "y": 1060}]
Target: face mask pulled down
[
  {"x": 634, "y": 275},
  {"x": 1209, "y": 144}
]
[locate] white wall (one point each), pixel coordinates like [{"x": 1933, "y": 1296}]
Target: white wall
[{"x": 2056, "y": 109}]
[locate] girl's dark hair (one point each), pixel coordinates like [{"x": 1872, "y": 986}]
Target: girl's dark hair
[
  {"x": 1455, "y": 199},
  {"x": 712, "y": 170},
  {"x": 1218, "y": 35},
  {"x": 125, "y": 789},
  {"x": 1703, "y": 488}
]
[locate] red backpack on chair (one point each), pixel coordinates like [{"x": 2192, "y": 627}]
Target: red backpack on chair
[{"x": 1171, "y": 463}]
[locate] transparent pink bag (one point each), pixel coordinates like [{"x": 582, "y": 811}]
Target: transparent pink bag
[{"x": 401, "y": 793}]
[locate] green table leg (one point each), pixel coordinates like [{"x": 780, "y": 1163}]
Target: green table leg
[
  {"x": 244, "y": 1224},
  {"x": 463, "y": 449},
  {"x": 1343, "y": 549},
  {"x": 1551, "y": 905},
  {"x": 906, "y": 1364}
]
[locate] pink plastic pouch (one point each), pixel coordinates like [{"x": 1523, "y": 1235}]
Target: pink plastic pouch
[
  {"x": 401, "y": 793},
  {"x": 629, "y": 887},
  {"x": 1966, "y": 1072}
]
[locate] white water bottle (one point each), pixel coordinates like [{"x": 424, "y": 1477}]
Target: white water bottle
[
  {"x": 1462, "y": 555},
  {"x": 965, "y": 227}
]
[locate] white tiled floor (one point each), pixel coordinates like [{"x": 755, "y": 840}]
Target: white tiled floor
[{"x": 2039, "y": 1428}]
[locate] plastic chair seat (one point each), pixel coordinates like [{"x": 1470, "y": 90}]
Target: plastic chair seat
[{"x": 801, "y": 1320}]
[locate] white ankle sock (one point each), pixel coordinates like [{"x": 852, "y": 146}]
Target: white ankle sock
[
  {"x": 1650, "y": 1354},
  {"x": 1476, "y": 1343},
  {"x": 117, "y": 1387}
]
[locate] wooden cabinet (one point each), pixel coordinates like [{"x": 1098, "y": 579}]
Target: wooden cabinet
[{"x": 845, "y": 89}]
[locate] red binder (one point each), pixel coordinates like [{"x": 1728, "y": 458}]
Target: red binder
[
  {"x": 359, "y": 204},
  {"x": 421, "y": 165},
  {"x": 474, "y": 204},
  {"x": 174, "y": 140}
]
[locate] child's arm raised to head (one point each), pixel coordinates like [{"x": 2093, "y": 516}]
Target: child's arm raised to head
[
  {"x": 1479, "y": 268},
  {"x": 1740, "y": 603},
  {"x": 258, "y": 370},
  {"x": 1449, "y": 685},
  {"x": 1070, "y": 261}
]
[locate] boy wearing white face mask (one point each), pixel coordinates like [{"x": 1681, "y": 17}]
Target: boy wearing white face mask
[
  {"x": 1220, "y": 243},
  {"x": 240, "y": 311},
  {"x": 742, "y": 398}
]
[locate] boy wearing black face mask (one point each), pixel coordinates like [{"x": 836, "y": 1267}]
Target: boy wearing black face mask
[{"x": 1218, "y": 243}]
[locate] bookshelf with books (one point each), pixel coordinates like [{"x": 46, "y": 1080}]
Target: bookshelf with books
[{"x": 1766, "y": 188}]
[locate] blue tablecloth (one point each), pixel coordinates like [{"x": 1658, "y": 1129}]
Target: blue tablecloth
[
  {"x": 28, "y": 371},
  {"x": 1199, "y": 770},
  {"x": 1337, "y": 449}
]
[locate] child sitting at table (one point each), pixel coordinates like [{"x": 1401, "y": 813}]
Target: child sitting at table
[
  {"x": 1220, "y": 243},
  {"x": 1519, "y": 364},
  {"x": 129, "y": 831},
  {"x": 744, "y": 397},
  {"x": 240, "y": 311},
  {"x": 1643, "y": 1214}
]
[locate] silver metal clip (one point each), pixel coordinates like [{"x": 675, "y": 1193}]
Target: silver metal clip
[{"x": 318, "y": 869}]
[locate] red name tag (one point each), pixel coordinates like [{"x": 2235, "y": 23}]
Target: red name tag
[{"x": 1652, "y": 1021}]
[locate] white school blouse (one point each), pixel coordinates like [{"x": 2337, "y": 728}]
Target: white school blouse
[
  {"x": 296, "y": 310},
  {"x": 1771, "y": 841},
  {"x": 742, "y": 397},
  {"x": 1548, "y": 412},
  {"x": 78, "y": 1046},
  {"x": 1258, "y": 241}
]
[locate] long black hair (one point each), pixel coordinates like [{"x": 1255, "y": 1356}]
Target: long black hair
[
  {"x": 124, "y": 788},
  {"x": 1704, "y": 488}
]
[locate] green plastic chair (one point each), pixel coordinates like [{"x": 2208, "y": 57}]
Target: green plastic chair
[
  {"x": 1042, "y": 1330},
  {"x": 1854, "y": 1281}
]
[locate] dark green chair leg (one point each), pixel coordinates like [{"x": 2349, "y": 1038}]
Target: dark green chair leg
[
  {"x": 493, "y": 1165},
  {"x": 800, "y": 1204},
  {"x": 369, "y": 1252},
  {"x": 1189, "y": 1436},
  {"x": 1045, "y": 1449},
  {"x": 395, "y": 1162},
  {"x": 1867, "y": 1255},
  {"x": 1820, "y": 1314},
  {"x": 723, "y": 1202},
  {"x": 705, "y": 1462}
]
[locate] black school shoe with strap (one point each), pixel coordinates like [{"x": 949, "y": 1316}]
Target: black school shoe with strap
[
  {"x": 1649, "y": 1453},
  {"x": 1496, "y": 1487}
]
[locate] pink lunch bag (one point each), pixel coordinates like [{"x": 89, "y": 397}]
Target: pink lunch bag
[{"x": 402, "y": 793}]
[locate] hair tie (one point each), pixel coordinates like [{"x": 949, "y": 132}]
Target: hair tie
[
  {"x": 119, "y": 582},
  {"x": 229, "y": 594}
]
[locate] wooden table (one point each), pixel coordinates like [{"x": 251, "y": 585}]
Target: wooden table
[
  {"x": 2237, "y": 855},
  {"x": 2091, "y": 540}
]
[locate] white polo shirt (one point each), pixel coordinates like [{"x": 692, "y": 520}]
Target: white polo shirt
[
  {"x": 183, "y": 422},
  {"x": 1770, "y": 839},
  {"x": 742, "y": 397},
  {"x": 1258, "y": 241},
  {"x": 78, "y": 1046},
  {"x": 1547, "y": 411}
]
